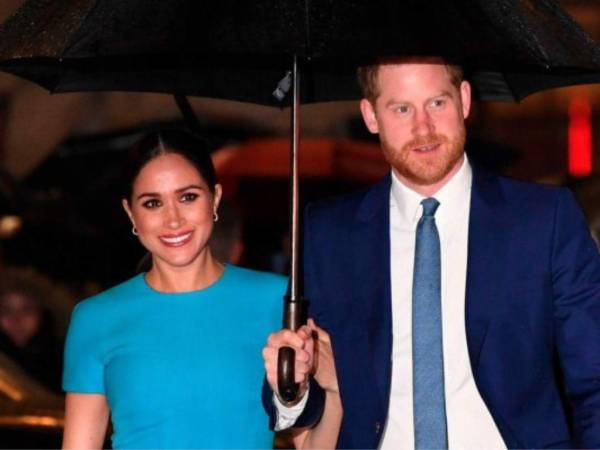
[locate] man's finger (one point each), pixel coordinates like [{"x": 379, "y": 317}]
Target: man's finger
[
  {"x": 322, "y": 335},
  {"x": 304, "y": 332},
  {"x": 303, "y": 368}
]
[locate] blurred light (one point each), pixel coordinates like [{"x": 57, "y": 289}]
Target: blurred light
[
  {"x": 9, "y": 226},
  {"x": 38, "y": 421},
  {"x": 10, "y": 391},
  {"x": 580, "y": 137}
]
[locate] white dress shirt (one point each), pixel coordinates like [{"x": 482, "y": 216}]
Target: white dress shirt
[{"x": 470, "y": 425}]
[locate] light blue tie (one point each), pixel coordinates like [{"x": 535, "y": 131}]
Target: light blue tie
[{"x": 429, "y": 405}]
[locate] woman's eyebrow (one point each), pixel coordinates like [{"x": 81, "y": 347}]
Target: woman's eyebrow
[
  {"x": 191, "y": 186},
  {"x": 178, "y": 191},
  {"x": 147, "y": 194}
]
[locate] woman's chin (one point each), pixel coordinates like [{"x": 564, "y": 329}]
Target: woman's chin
[{"x": 181, "y": 259}]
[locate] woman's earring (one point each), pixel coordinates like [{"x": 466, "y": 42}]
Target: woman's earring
[
  {"x": 215, "y": 217},
  {"x": 134, "y": 231}
]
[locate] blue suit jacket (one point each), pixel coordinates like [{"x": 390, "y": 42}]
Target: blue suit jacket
[{"x": 532, "y": 304}]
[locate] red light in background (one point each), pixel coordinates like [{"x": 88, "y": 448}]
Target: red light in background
[{"x": 580, "y": 137}]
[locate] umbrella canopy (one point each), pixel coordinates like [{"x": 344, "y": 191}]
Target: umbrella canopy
[{"x": 243, "y": 50}]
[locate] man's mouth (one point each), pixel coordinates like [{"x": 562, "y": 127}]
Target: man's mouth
[
  {"x": 176, "y": 240},
  {"x": 426, "y": 148}
]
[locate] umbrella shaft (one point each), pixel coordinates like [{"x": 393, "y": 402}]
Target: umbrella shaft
[{"x": 295, "y": 116}]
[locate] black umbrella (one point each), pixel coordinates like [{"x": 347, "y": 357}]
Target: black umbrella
[
  {"x": 254, "y": 51},
  {"x": 241, "y": 50}
]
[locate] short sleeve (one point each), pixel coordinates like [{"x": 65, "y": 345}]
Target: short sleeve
[{"x": 83, "y": 366}]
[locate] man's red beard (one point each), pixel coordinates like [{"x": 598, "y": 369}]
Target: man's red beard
[{"x": 422, "y": 170}]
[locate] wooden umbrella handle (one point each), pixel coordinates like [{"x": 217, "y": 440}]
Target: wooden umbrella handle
[
  {"x": 293, "y": 318},
  {"x": 287, "y": 387}
]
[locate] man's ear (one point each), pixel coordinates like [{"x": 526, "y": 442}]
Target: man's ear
[
  {"x": 465, "y": 97},
  {"x": 368, "y": 114}
]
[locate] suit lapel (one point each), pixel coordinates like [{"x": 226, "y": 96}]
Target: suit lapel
[
  {"x": 371, "y": 281},
  {"x": 489, "y": 238}
]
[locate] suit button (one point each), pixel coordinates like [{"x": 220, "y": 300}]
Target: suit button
[{"x": 377, "y": 427}]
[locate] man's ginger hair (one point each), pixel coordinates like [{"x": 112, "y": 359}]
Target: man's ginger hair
[{"x": 367, "y": 75}]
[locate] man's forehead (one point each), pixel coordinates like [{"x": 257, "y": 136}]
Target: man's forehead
[
  {"x": 398, "y": 83},
  {"x": 413, "y": 77}
]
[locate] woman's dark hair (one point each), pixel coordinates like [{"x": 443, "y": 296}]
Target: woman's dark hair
[{"x": 164, "y": 142}]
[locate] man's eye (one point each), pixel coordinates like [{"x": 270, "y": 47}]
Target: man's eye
[
  {"x": 189, "y": 197},
  {"x": 438, "y": 102},
  {"x": 151, "y": 204},
  {"x": 402, "y": 109}
]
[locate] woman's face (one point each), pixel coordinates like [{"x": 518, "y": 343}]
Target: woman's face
[{"x": 172, "y": 208}]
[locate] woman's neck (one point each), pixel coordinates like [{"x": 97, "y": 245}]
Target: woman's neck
[{"x": 199, "y": 275}]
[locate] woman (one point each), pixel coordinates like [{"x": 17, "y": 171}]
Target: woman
[{"x": 172, "y": 355}]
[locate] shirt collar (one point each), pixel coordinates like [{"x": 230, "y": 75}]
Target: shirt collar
[{"x": 451, "y": 196}]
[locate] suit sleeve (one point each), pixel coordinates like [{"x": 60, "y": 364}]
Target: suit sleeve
[
  {"x": 312, "y": 411},
  {"x": 576, "y": 288}
]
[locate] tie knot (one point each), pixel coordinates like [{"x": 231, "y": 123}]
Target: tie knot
[{"x": 430, "y": 205}]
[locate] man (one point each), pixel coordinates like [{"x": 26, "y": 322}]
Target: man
[{"x": 449, "y": 294}]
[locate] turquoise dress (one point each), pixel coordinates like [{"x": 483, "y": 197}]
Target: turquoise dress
[{"x": 179, "y": 370}]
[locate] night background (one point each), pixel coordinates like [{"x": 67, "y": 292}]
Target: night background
[{"x": 61, "y": 156}]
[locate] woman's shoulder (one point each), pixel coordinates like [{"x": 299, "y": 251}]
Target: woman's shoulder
[
  {"x": 257, "y": 293},
  {"x": 112, "y": 297},
  {"x": 255, "y": 278}
]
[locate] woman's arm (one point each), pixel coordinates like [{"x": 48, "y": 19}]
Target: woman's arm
[
  {"x": 325, "y": 434},
  {"x": 86, "y": 420}
]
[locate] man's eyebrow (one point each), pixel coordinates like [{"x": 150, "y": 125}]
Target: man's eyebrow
[
  {"x": 394, "y": 101},
  {"x": 443, "y": 93}
]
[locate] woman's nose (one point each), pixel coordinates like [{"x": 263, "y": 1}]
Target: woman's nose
[{"x": 174, "y": 218}]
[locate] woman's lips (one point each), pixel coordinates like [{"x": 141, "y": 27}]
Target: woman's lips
[{"x": 176, "y": 240}]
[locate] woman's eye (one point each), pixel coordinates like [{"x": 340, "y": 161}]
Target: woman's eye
[
  {"x": 189, "y": 197},
  {"x": 151, "y": 204}
]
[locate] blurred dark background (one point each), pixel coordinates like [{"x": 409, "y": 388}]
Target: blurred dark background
[{"x": 62, "y": 227}]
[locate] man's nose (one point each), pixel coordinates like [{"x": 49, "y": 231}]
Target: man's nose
[{"x": 422, "y": 123}]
